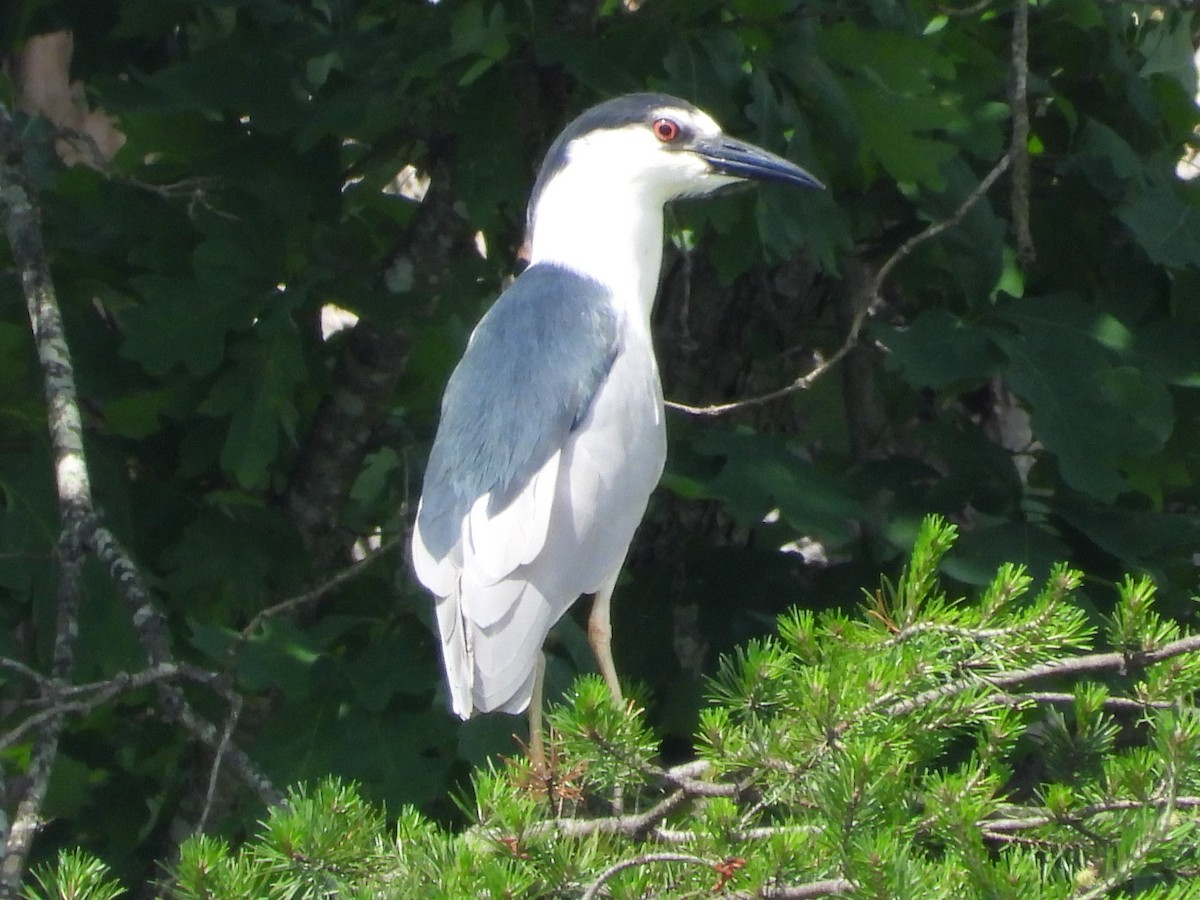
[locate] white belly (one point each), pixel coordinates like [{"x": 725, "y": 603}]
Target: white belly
[{"x": 610, "y": 466}]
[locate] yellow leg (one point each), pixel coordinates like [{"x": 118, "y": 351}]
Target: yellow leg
[
  {"x": 537, "y": 744},
  {"x": 600, "y": 637}
]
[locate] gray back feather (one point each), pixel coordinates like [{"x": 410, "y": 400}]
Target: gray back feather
[{"x": 526, "y": 380}]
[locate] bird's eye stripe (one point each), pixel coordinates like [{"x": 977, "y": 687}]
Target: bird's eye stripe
[{"x": 666, "y": 130}]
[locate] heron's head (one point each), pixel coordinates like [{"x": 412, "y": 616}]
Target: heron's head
[{"x": 658, "y": 148}]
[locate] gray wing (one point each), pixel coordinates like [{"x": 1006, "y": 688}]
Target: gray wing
[{"x": 526, "y": 380}]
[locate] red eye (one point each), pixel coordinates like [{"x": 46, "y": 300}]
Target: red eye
[{"x": 666, "y": 130}]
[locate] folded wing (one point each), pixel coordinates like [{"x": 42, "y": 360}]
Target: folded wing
[{"x": 529, "y": 377}]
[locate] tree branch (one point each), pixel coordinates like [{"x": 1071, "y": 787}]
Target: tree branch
[
  {"x": 806, "y": 380},
  {"x": 1038, "y": 817},
  {"x": 22, "y": 225},
  {"x": 1087, "y": 664},
  {"x": 646, "y": 859},
  {"x": 60, "y": 698},
  {"x": 152, "y": 631},
  {"x": 81, "y": 532},
  {"x": 828, "y": 887},
  {"x": 1019, "y": 148},
  {"x": 301, "y": 600}
]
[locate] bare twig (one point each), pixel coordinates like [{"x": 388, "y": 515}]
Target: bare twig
[
  {"x": 152, "y": 632},
  {"x": 974, "y": 635},
  {"x": 938, "y": 227},
  {"x": 631, "y": 825},
  {"x": 19, "y": 668},
  {"x": 235, "y": 711},
  {"x": 804, "y": 382},
  {"x": 823, "y": 365},
  {"x": 1113, "y": 704},
  {"x": 60, "y": 698},
  {"x": 971, "y": 10}
]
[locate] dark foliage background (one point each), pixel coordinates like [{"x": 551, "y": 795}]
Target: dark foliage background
[{"x": 1038, "y": 390}]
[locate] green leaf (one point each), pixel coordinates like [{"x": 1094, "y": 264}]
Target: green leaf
[
  {"x": 257, "y": 393},
  {"x": 939, "y": 350},
  {"x": 1088, "y": 409},
  {"x": 704, "y": 65},
  {"x": 1107, "y": 159},
  {"x": 1169, "y": 50},
  {"x": 896, "y": 104},
  {"x": 220, "y": 566},
  {"x": 14, "y": 349},
  {"x": 182, "y": 322},
  {"x": 980, "y": 551},
  {"x": 762, "y": 472},
  {"x": 1165, "y": 226},
  {"x": 138, "y": 415},
  {"x": 1130, "y": 536},
  {"x": 892, "y": 128}
]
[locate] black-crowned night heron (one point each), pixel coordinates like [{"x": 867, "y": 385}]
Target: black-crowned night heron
[{"x": 552, "y": 435}]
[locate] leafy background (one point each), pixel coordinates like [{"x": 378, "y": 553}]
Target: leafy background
[{"x": 1044, "y": 402}]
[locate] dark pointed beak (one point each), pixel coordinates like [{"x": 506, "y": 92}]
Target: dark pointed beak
[{"x": 742, "y": 160}]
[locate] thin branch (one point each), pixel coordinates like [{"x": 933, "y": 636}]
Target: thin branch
[
  {"x": 971, "y": 10},
  {"x": 294, "y": 603},
  {"x": 235, "y": 711},
  {"x": 178, "y": 710},
  {"x": 938, "y": 227},
  {"x": 1091, "y": 663},
  {"x": 631, "y": 825},
  {"x": 742, "y": 835},
  {"x": 638, "y": 826},
  {"x": 828, "y": 887},
  {"x": 974, "y": 635},
  {"x": 19, "y": 668},
  {"x": 823, "y": 365},
  {"x": 645, "y": 859},
  {"x": 152, "y": 632},
  {"x": 1039, "y": 818},
  {"x": 62, "y": 699},
  {"x": 1112, "y": 704}
]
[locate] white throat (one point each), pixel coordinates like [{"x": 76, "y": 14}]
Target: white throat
[{"x": 612, "y": 232}]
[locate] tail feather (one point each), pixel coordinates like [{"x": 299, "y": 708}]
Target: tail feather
[{"x": 494, "y": 667}]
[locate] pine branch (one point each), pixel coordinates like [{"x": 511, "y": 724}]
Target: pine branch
[
  {"x": 645, "y": 859},
  {"x": 1037, "y": 817},
  {"x": 1087, "y": 664}
]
